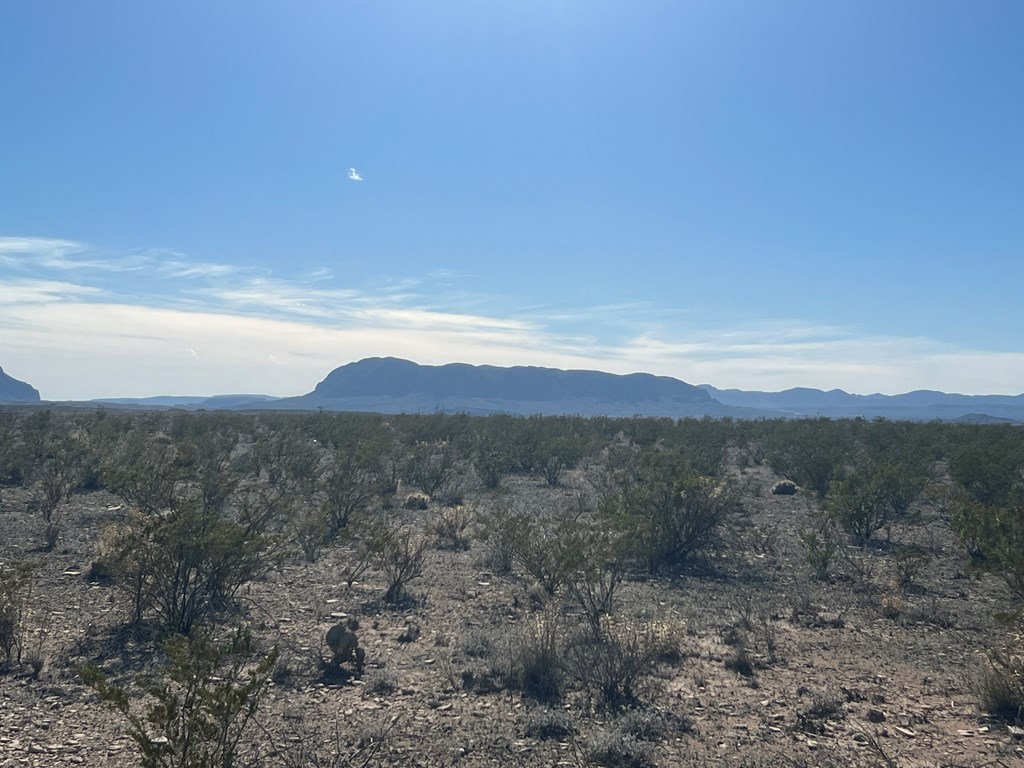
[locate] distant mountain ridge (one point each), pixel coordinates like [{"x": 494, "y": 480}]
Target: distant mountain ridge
[
  {"x": 13, "y": 390},
  {"x": 393, "y": 385},
  {"x": 919, "y": 405}
]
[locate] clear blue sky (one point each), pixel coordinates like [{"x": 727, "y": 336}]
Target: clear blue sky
[{"x": 748, "y": 194}]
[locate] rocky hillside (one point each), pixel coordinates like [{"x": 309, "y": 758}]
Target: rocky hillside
[{"x": 14, "y": 391}]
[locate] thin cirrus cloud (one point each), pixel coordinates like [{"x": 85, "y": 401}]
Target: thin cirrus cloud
[
  {"x": 354, "y": 175},
  {"x": 74, "y": 324}
]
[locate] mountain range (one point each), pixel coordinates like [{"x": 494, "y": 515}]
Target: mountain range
[{"x": 392, "y": 385}]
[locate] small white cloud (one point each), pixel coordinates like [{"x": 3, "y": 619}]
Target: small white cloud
[{"x": 353, "y": 175}]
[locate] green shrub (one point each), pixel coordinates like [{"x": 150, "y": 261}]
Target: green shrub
[
  {"x": 203, "y": 703},
  {"x": 186, "y": 564},
  {"x": 664, "y": 521}
]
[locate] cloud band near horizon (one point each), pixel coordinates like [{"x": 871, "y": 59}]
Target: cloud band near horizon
[{"x": 78, "y": 322}]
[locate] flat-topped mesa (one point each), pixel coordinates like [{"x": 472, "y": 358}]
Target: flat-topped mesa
[
  {"x": 14, "y": 391},
  {"x": 393, "y": 377}
]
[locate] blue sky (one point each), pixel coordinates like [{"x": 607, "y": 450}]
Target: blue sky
[{"x": 202, "y": 197}]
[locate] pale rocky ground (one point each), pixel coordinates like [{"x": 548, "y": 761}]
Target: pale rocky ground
[{"x": 893, "y": 675}]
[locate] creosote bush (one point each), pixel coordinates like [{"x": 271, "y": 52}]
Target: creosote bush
[
  {"x": 203, "y": 702},
  {"x": 184, "y": 565},
  {"x": 400, "y": 554}
]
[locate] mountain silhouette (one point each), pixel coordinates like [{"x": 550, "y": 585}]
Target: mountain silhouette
[{"x": 14, "y": 391}]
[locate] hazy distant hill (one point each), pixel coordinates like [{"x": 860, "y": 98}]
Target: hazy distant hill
[
  {"x": 920, "y": 405},
  {"x": 391, "y": 385},
  {"x": 14, "y": 391},
  {"x": 225, "y": 402}
]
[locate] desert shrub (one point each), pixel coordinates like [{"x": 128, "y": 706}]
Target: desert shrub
[
  {"x": 824, "y": 705},
  {"x": 741, "y": 662},
  {"x": 989, "y": 469},
  {"x": 610, "y": 667},
  {"x": 555, "y": 456},
  {"x": 999, "y": 686},
  {"x": 14, "y": 595},
  {"x": 400, "y": 554},
  {"x": 186, "y": 564},
  {"x": 348, "y": 488},
  {"x": 819, "y": 546},
  {"x": 549, "y": 549},
  {"x": 536, "y": 664},
  {"x": 665, "y": 520},
  {"x": 617, "y": 750},
  {"x": 450, "y": 527},
  {"x": 874, "y": 497},
  {"x": 309, "y": 528},
  {"x": 812, "y": 453},
  {"x": 430, "y": 465},
  {"x": 651, "y": 726},
  {"x": 143, "y": 472},
  {"x": 593, "y": 587},
  {"x": 546, "y": 724},
  {"x": 492, "y": 462},
  {"x": 908, "y": 564},
  {"x": 55, "y": 462},
  {"x": 202, "y": 704},
  {"x": 996, "y": 534}
]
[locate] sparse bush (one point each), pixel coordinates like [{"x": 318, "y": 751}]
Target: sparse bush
[
  {"x": 430, "y": 466},
  {"x": 546, "y": 724},
  {"x": 999, "y": 686},
  {"x": 997, "y": 534},
  {"x": 824, "y": 705},
  {"x": 909, "y": 563},
  {"x": 450, "y": 526},
  {"x": 204, "y": 702},
  {"x": 14, "y": 594},
  {"x": 819, "y": 546},
  {"x": 536, "y": 668},
  {"x": 609, "y": 668},
  {"x": 400, "y": 555},
  {"x": 616, "y": 750},
  {"x": 741, "y": 662}
]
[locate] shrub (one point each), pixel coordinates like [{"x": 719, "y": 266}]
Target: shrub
[
  {"x": 997, "y": 535},
  {"x": 536, "y": 663},
  {"x": 14, "y": 582},
  {"x": 203, "y": 702},
  {"x": 618, "y": 750},
  {"x": 874, "y": 497},
  {"x": 999, "y": 686},
  {"x": 450, "y": 525},
  {"x": 819, "y": 546},
  {"x": 665, "y": 521},
  {"x": 545, "y": 724},
  {"x": 609, "y": 668},
  {"x": 184, "y": 565},
  {"x": 400, "y": 555}
]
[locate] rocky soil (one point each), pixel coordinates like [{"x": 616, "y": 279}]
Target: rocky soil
[{"x": 854, "y": 670}]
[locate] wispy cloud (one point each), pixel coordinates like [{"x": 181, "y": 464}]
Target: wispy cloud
[
  {"x": 89, "y": 330},
  {"x": 353, "y": 175}
]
